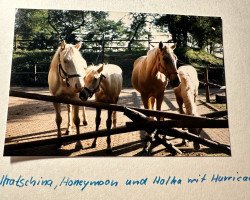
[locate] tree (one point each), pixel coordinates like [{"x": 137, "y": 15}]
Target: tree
[
  {"x": 177, "y": 25},
  {"x": 203, "y": 31},
  {"x": 138, "y": 27},
  {"x": 30, "y": 22},
  {"x": 206, "y": 31}
]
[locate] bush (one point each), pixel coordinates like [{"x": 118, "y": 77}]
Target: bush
[
  {"x": 198, "y": 58},
  {"x": 24, "y": 61}
]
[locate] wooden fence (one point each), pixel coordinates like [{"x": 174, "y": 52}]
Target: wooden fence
[{"x": 139, "y": 122}]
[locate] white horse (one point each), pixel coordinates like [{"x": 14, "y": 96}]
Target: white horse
[
  {"x": 105, "y": 81},
  {"x": 65, "y": 79},
  {"x": 187, "y": 92}
]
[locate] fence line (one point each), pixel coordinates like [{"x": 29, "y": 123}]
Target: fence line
[{"x": 140, "y": 122}]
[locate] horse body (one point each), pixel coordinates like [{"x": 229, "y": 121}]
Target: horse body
[
  {"x": 108, "y": 92},
  {"x": 65, "y": 79},
  {"x": 186, "y": 94},
  {"x": 187, "y": 91},
  {"x": 151, "y": 73}
]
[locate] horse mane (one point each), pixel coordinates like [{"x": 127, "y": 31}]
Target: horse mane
[
  {"x": 152, "y": 56},
  {"x": 55, "y": 59}
]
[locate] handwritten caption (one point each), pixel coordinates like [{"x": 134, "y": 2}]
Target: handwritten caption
[{"x": 21, "y": 181}]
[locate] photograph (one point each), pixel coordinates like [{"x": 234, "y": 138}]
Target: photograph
[{"x": 117, "y": 84}]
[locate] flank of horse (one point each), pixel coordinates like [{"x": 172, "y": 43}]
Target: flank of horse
[
  {"x": 186, "y": 93},
  {"x": 106, "y": 84},
  {"x": 152, "y": 72},
  {"x": 65, "y": 79}
]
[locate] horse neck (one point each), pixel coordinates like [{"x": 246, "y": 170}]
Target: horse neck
[
  {"x": 54, "y": 63},
  {"x": 151, "y": 66}
]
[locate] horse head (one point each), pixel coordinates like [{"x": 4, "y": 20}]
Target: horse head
[
  {"x": 168, "y": 63},
  {"x": 71, "y": 66},
  {"x": 92, "y": 80}
]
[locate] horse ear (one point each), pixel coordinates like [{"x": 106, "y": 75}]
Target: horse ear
[
  {"x": 78, "y": 45},
  {"x": 160, "y": 46},
  {"x": 100, "y": 68},
  {"x": 63, "y": 44},
  {"x": 174, "y": 46}
]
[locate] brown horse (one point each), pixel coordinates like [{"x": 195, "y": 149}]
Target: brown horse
[
  {"x": 65, "y": 79},
  {"x": 151, "y": 74}
]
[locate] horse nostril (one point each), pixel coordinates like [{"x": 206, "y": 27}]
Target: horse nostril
[{"x": 83, "y": 96}]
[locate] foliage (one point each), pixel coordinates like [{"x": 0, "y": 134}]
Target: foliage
[
  {"x": 197, "y": 57},
  {"x": 197, "y": 30},
  {"x": 138, "y": 27},
  {"x": 30, "y": 22}
]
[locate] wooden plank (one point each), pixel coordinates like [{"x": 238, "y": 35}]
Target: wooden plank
[
  {"x": 100, "y": 105},
  {"x": 196, "y": 123}
]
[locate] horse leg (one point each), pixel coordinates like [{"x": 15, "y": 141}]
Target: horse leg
[
  {"x": 97, "y": 124},
  {"x": 57, "y": 107},
  {"x": 70, "y": 120},
  {"x": 76, "y": 120},
  {"x": 114, "y": 119},
  {"x": 114, "y": 115},
  {"x": 159, "y": 101},
  {"x": 179, "y": 100},
  {"x": 151, "y": 103},
  {"x": 145, "y": 101},
  {"x": 108, "y": 124},
  {"x": 85, "y": 122},
  {"x": 148, "y": 104}
]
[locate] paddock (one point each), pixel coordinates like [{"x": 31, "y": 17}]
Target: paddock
[{"x": 33, "y": 120}]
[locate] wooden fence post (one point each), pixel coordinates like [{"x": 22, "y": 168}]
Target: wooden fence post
[
  {"x": 35, "y": 72},
  {"x": 207, "y": 85},
  {"x": 103, "y": 48}
]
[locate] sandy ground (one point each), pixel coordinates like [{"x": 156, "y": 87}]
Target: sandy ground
[{"x": 35, "y": 120}]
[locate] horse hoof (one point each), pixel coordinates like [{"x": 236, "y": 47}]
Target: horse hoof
[
  {"x": 146, "y": 152},
  {"x": 67, "y": 132},
  {"x": 93, "y": 145},
  {"x": 196, "y": 146},
  {"x": 109, "y": 150},
  {"x": 85, "y": 123},
  {"x": 78, "y": 146},
  {"x": 59, "y": 145},
  {"x": 184, "y": 143}
]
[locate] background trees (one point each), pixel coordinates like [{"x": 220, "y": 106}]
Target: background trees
[
  {"x": 193, "y": 31},
  {"x": 46, "y": 27}
]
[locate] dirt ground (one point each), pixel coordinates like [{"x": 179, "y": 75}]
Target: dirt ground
[{"x": 35, "y": 120}]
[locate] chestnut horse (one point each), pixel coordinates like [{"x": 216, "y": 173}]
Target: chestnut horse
[
  {"x": 105, "y": 81},
  {"x": 151, "y": 74},
  {"x": 65, "y": 79}
]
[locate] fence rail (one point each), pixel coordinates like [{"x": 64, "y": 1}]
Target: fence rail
[{"x": 140, "y": 122}]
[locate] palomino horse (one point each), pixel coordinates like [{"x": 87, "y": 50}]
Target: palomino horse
[
  {"x": 106, "y": 82},
  {"x": 65, "y": 79},
  {"x": 150, "y": 77},
  {"x": 151, "y": 73},
  {"x": 187, "y": 92}
]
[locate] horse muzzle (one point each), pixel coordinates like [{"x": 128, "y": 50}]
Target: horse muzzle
[
  {"x": 85, "y": 94},
  {"x": 175, "y": 82}
]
